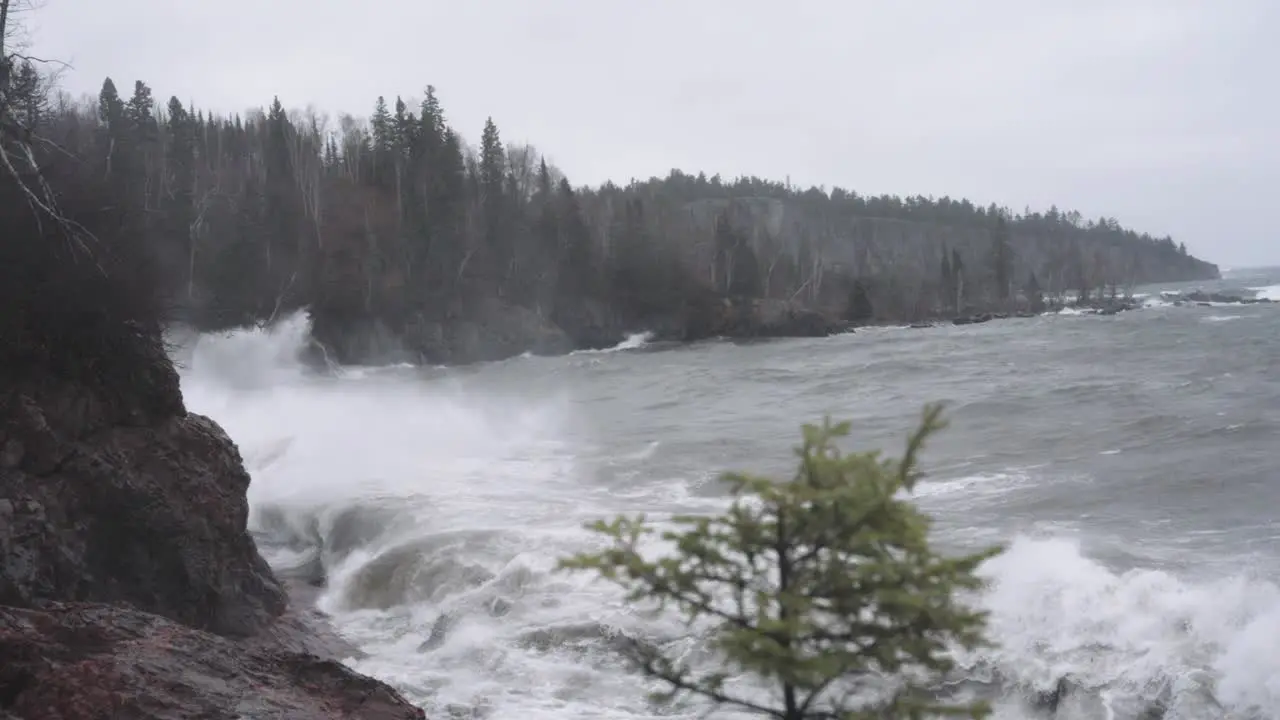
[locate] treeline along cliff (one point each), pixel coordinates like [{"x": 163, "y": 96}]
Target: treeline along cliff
[{"x": 402, "y": 239}]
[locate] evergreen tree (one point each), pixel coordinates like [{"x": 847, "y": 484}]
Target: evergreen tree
[
  {"x": 179, "y": 204},
  {"x": 27, "y": 95},
  {"x": 382, "y": 130},
  {"x": 947, "y": 281},
  {"x": 492, "y": 180},
  {"x": 140, "y": 111},
  {"x": 814, "y": 586},
  {"x": 114, "y": 128},
  {"x": 957, "y": 280},
  {"x": 281, "y": 211},
  {"x": 577, "y": 264},
  {"x": 1001, "y": 257}
]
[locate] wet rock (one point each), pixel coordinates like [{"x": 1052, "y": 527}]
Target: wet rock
[
  {"x": 973, "y": 319},
  {"x": 88, "y": 661},
  {"x": 152, "y": 516},
  {"x": 439, "y": 632},
  {"x": 129, "y": 585},
  {"x": 1207, "y": 299},
  {"x": 740, "y": 318}
]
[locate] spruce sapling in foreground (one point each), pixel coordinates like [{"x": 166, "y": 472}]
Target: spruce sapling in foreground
[{"x": 820, "y": 587}]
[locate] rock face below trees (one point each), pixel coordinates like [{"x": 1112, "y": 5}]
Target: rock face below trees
[
  {"x": 494, "y": 331},
  {"x": 748, "y": 318},
  {"x": 129, "y": 586}
]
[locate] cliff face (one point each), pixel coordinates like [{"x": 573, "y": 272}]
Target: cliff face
[
  {"x": 108, "y": 502},
  {"x": 129, "y": 587}
]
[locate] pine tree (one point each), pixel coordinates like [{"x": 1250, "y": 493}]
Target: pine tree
[
  {"x": 947, "y": 281},
  {"x": 812, "y": 586},
  {"x": 27, "y": 93},
  {"x": 492, "y": 181},
  {"x": 546, "y": 236},
  {"x": 382, "y": 129},
  {"x": 140, "y": 110},
  {"x": 576, "y": 275},
  {"x": 1001, "y": 257},
  {"x": 179, "y": 204},
  {"x": 957, "y": 280},
  {"x": 114, "y": 127},
  {"x": 282, "y": 216}
]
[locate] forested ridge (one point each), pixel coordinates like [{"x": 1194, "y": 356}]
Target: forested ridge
[{"x": 404, "y": 241}]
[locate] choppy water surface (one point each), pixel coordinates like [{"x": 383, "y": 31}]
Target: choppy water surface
[{"x": 1131, "y": 463}]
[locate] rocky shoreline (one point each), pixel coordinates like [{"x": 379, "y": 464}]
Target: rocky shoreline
[
  {"x": 495, "y": 333},
  {"x": 129, "y": 586},
  {"x": 1109, "y": 306}
]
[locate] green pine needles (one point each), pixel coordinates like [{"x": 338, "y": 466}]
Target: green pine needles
[{"x": 816, "y": 586}]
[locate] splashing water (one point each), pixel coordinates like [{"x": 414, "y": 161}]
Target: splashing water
[{"x": 1270, "y": 292}]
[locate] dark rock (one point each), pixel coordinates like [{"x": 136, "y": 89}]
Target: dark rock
[
  {"x": 151, "y": 516},
  {"x": 741, "y": 318},
  {"x": 490, "y": 330},
  {"x": 973, "y": 319},
  {"x": 129, "y": 586},
  {"x": 439, "y": 632},
  {"x": 1207, "y": 299},
  {"x": 493, "y": 330},
  {"x": 1199, "y": 296},
  {"x": 90, "y": 662}
]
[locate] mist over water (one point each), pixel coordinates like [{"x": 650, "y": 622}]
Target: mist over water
[{"x": 1130, "y": 462}]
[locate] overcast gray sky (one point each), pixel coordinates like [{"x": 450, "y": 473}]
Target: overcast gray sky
[{"x": 1163, "y": 113}]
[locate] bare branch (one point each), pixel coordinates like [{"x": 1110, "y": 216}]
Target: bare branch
[{"x": 33, "y": 58}]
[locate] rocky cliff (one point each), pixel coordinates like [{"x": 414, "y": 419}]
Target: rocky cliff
[{"x": 129, "y": 587}]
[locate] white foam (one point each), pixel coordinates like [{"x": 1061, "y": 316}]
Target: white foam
[
  {"x": 634, "y": 341},
  {"x": 1269, "y": 292},
  {"x": 1057, "y": 613}
]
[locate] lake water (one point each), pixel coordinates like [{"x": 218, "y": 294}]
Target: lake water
[{"x": 1131, "y": 463}]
